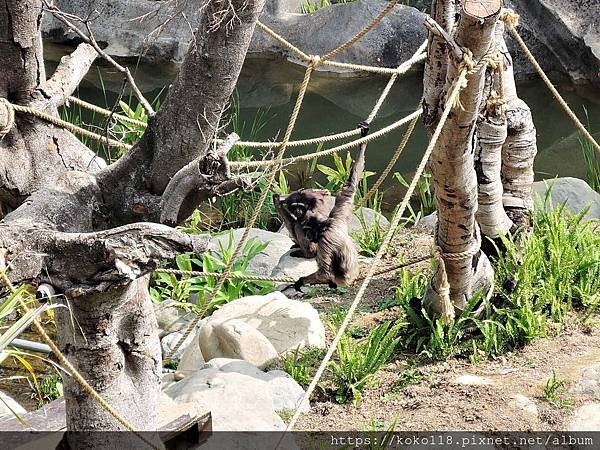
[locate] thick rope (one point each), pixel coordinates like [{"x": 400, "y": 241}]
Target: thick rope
[
  {"x": 294, "y": 159},
  {"x": 252, "y": 277},
  {"x": 510, "y": 18},
  {"x": 454, "y": 93},
  {"x": 105, "y": 112},
  {"x": 73, "y": 371},
  {"x": 372, "y": 69},
  {"x": 67, "y": 125},
  {"x": 261, "y": 201},
  {"x": 10, "y": 118}
]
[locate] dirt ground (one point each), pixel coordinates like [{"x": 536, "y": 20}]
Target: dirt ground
[{"x": 439, "y": 401}]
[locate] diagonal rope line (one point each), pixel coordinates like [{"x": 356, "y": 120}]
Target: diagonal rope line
[
  {"x": 510, "y": 18},
  {"x": 261, "y": 201},
  {"x": 457, "y": 87}
]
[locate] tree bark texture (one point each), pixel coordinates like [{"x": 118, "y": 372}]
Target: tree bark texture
[
  {"x": 87, "y": 229},
  {"x": 452, "y": 165}
]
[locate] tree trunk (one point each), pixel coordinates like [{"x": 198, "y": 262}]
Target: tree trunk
[
  {"x": 452, "y": 165},
  {"x": 64, "y": 236}
]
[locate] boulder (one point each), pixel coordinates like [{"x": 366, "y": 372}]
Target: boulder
[
  {"x": 237, "y": 339},
  {"x": 286, "y": 323},
  {"x": 555, "y": 30},
  {"x": 589, "y": 384},
  {"x": 585, "y": 418},
  {"x": 168, "y": 342},
  {"x": 294, "y": 267},
  {"x": 286, "y": 392},
  {"x": 191, "y": 360},
  {"x": 171, "y": 318},
  {"x": 236, "y": 401},
  {"x": 265, "y": 261},
  {"x": 575, "y": 193}
]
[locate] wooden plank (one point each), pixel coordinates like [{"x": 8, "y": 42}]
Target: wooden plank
[{"x": 49, "y": 422}]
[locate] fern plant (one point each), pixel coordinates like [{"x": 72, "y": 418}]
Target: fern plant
[{"x": 359, "y": 361}]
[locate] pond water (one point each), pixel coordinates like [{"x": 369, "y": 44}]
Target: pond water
[{"x": 336, "y": 102}]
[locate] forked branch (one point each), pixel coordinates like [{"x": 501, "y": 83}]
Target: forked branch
[{"x": 209, "y": 174}]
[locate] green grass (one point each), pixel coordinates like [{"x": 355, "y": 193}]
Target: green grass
[
  {"x": 302, "y": 364},
  {"x": 555, "y": 392},
  {"x": 358, "y": 361},
  {"x": 591, "y": 158},
  {"x": 556, "y": 277},
  {"x": 370, "y": 237}
]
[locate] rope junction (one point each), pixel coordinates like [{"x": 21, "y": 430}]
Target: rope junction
[{"x": 466, "y": 68}]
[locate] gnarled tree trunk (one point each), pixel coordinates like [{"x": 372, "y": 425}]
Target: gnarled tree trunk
[
  {"x": 452, "y": 161},
  {"x": 87, "y": 229}
]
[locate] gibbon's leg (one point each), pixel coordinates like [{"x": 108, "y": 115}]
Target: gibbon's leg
[
  {"x": 318, "y": 277},
  {"x": 307, "y": 248}
]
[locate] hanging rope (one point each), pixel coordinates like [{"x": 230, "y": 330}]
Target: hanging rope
[
  {"x": 73, "y": 371},
  {"x": 511, "y": 19}
]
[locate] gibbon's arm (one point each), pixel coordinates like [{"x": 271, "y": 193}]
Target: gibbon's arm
[
  {"x": 285, "y": 215},
  {"x": 345, "y": 199}
]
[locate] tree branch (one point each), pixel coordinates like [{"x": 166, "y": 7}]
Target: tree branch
[
  {"x": 89, "y": 39},
  {"x": 209, "y": 173},
  {"x": 69, "y": 73},
  {"x": 86, "y": 263}
]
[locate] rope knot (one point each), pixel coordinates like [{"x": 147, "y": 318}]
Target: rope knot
[
  {"x": 509, "y": 17},
  {"x": 315, "y": 60},
  {"x": 467, "y": 62},
  {"x": 7, "y": 117}
]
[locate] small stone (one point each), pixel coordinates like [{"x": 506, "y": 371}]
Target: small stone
[
  {"x": 473, "y": 380},
  {"x": 171, "y": 318},
  {"x": 585, "y": 418},
  {"x": 524, "y": 403}
]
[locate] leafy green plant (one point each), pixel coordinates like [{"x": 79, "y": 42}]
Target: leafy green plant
[
  {"x": 424, "y": 194},
  {"x": 50, "y": 388},
  {"x": 359, "y": 361},
  {"x": 238, "y": 208},
  {"x": 301, "y": 364},
  {"x": 249, "y": 131},
  {"x": 195, "y": 292},
  {"x": 309, "y": 7},
  {"x": 370, "y": 237},
  {"x": 555, "y": 392},
  {"x": 339, "y": 174},
  {"x": 410, "y": 376}
]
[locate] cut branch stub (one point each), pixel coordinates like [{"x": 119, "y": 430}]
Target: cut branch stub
[{"x": 206, "y": 176}]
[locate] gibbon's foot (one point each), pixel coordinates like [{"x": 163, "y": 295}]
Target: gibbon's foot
[
  {"x": 298, "y": 284},
  {"x": 297, "y": 254},
  {"x": 332, "y": 285}
]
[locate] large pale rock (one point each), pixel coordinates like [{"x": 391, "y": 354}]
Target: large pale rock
[
  {"x": 7, "y": 403},
  {"x": 577, "y": 194},
  {"x": 286, "y": 323},
  {"x": 236, "y": 339},
  {"x": 191, "y": 359},
  {"x": 294, "y": 267},
  {"x": 286, "y": 392},
  {"x": 265, "y": 261},
  {"x": 168, "y": 342},
  {"x": 585, "y": 418},
  {"x": 237, "y": 402}
]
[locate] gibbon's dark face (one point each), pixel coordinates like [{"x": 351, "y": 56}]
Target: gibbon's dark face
[{"x": 300, "y": 202}]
